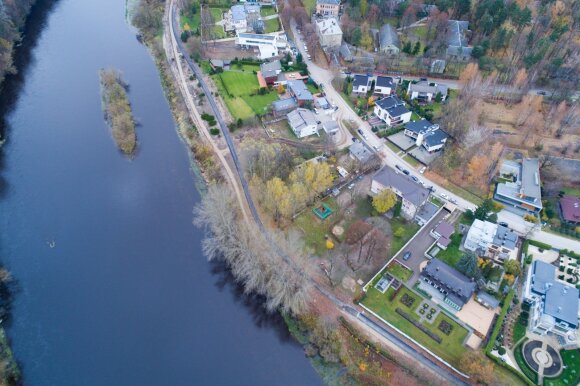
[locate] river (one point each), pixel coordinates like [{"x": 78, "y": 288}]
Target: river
[{"x": 125, "y": 297}]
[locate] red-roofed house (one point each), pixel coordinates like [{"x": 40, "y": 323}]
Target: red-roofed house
[{"x": 570, "y": 209}]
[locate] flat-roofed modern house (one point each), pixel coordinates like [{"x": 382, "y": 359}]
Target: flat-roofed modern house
[
  {"x": 270, "y": 71},
  {"x": 522, "y": 189},
  {"x": 425, "y": 92},
  {"x": 361, "y": 84},
  {"x": 329, "y": 33},
  {"x": 267, "y": 45},
  {"x": 328, "y": 8},
  {"x": 359, "y": 152},
  {"x": 553, "y": 304},
  {"x": 330, "y": 127},
  {"x": 495, "y": 241},
  {"x": 392, "y": 111},
  {"x": 298, "y": 90},
  {"x": 384, "y": 85},
  {"x": 389, "y": 40},
  {"x": 303, "y": 122},
  {"x": 457, "y": 40},
  {"x": 426, "y": 134},
  {"x": 570, "y": 209},
  {"x": 455, "y": 286},
  {"x": 413, "y": 195}
]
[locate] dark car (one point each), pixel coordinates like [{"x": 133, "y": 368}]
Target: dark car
[
  {"x": 541, "y": 93},
  {"x": 354, "y": 139},
  {"x": 360, "y": 132},
  {"x": 503, "y": 224},
  {"x": 406, "y": 172},
  {"x": 407, "y": 255},
  {"x": 415, "y": 178},
  {"x": 398, "y": 167}
]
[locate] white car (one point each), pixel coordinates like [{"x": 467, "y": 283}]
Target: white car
[
  {"x": 423, "y": 169},
  {"x": 444, "y": 196}
]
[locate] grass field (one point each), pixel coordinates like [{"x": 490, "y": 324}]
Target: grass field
[
  {"x": 218, "y": 32},
  {"x": 572, "y": 191},
  {"x": 216, "y": 14},
  {"x": 412, "y": 161},
  {"x": 415, "y": 116},
  {"x": 267, "y": 11},
  {"x": 239, "y": 108},
  {"x": 400, "y": 272},
  {"x": 309, "y": 5},
  {"x": 272, "y": 25},
  {"x": 409, "y": 230},
  {"x": 315, "y": 229},
  {"x": 193, "y": 21},
  {"x": 260, "y": 103},
  {"x": 392, "y": 146},
  {"x": 451, "y": 347},
  {"x": 571, "y": 374},
  {"x": 239, "y": 83},
  {"x": 452, "y": 254}
]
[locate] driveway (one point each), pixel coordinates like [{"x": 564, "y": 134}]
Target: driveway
[{"x": 419, "y": 246}]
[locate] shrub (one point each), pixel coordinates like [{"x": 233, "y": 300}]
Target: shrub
[
  {"x": 214, "y": 131},
  {"x": 501, "y": 350},
  {"x": 540, "y": 245}
]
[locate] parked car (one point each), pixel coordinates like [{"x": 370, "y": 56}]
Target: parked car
[
  {"x": 423, "y": 169},
  {"x": 444, "y": 196},
  {"x": 407, "y": 255},
  {"x": 503, "y": 224},
  {"x": 541, "y": 92},
  {"x": 453, "y": 200},
  {"x": 399, "y": 167},
  {"x": 414, "y": 178},
  {"x": 406, "y": 172},
  {"x": 360, "y": 131},
  {"x": 354, "y": 139}
]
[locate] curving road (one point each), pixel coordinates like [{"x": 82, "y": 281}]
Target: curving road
[{"x": 419, "y": 356}]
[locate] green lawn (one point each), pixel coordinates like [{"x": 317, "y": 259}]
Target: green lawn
[
  {"x": 400, "y": 272},
  {"x": 571, "y": 374},
  {"x": 409, "y": 230},
  {"x": 519, "y": 331},
  {"x": 219, "y": 32},
  {"x": 216, "y": 14},
  {"x": 309, "y": 5},
  {"x": 451, "y": 347},
  {"x": 239, "y": 83},
  {"x": 572, "y": 191},
  {"x": 239, "y": 108},
  {"x": 436, "y": 201},
  {"x": 392, "y": 146},
  {"x": 267, "y": 11},
  {"x": 193, "y": 21},
  {"x": 260, "y": 103},
  {"x": 272, "y": 25},
  {"x": 461, "y": 192},
  {"x": 312, "y": 88},
  {"x": 452, "y": 254},
  {"x": 415, "y": 116},
  {"x": 315, "y": 229},
  {"x": 364, "y": 207},
  {"x": 411, "y": 161},
  {"x": 531, "y": 374}
]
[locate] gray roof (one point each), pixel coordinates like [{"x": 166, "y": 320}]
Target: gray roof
[
  {"x": 420, "y": 126},
  {"x": 560, "y": 300},
  {"x": 270, "y": 69},
  {"x": 505, "y": 237},
  {"x": 299, "y": 90},
  {"x": 531, "y": 178},
  {"x": 390, "y": 101},
  {"x": 456, "y": 31},
  {"x": 436, "y": 137},
  {"x": 384, "y": 81},
  {"x": 284, "y": 104},
  {"x": 345, "y": 52},
  {"x": 427, "y": 211},
  {"x": 322, "y": 102},
  {"x": 397, "y": 111},
  {"x": 300, "y": 119},
  {"x": 330, "y": 126},
  {"x": 216, "y": 62},
  {"x": 238, "y": 12},
  {"x": 428, "y": 88},
  {"x": 360, "y": 151},
  {"x": 457, "y": 284},
  {"x": 410, "y": 190},
  {"x": 388, "y": 36},
  {"x": 331, "y": 2},
  {"x": 256, "y": 36},
  {"x": 360, "y": 80},
  {"x": 488, "y": 299},
  {"x": 444, "y": 229}
]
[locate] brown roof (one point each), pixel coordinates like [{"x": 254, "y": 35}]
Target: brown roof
[
  {"x": 445, "y": 229},
  {"x": 570, "y": 208}
]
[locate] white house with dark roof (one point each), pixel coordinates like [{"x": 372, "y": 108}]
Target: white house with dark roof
[
  {"x": 389, "y": 40},
  {"x": 303, "y": 122},
  {"x": 361, "y": 84},
  {"x": 392, "y": 111},
  {"x": 268, "y": 45},
  {"x": 425, "y": 91},
  {"x": 455, "y": 286},
  {"x": 554, "y": 305},
  {"x": 426, "y": 134},
  {"x": 523, "y": 192},
  {"x": 384, "y": 85},
  {"x": 412, "y": 194},
  {"x": 491, "y": 240}
]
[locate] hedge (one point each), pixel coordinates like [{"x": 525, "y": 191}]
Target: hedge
[
  {"x": 540, "y": 245},
  {"x": 572, "y": 254}
]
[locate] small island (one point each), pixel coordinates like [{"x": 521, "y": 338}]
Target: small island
[{"x": 117, "y": 109}]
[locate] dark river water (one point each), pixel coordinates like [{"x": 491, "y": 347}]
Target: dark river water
[{"x": 125, "y": 297}]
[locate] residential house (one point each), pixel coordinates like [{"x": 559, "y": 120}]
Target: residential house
[
  {"x": 442, "y": 234},
  {"x": 392, "y": 111},
  {"x": 412, "y": 194},
  {"x": 303, "y": 122},
  {"x": 238, "y": 16},
  {"x": 425, "y": 92},
  {"x": 521, "y": 191},
  {"x": 329, "y": 33},
  {"x": 487, "y": 300},
  {"x": 426, "y": 134},
  {"x": 267, "y": 45},
  {"x": 570, "y": 209},
  {"x": 389, "y": 40},
  {"x": 361, "y": 84},
  {"x": 553, "y": 305},
  {"x": 426, "y": 213},
  {"x": 360, "y": 152},
  {"x": 328, "y": 8},
  {"x": 384, "y": 85},
  {"x": 298, "y": 90},
  {"x": 495, "y": 241},
  {"x": 218, "y": 63},
  {"x": 270, "y": 71},
  {"x": 283, "y": 106},
  {"x": 457, "y": 40},
  {"x": 455, "y": 286}
]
